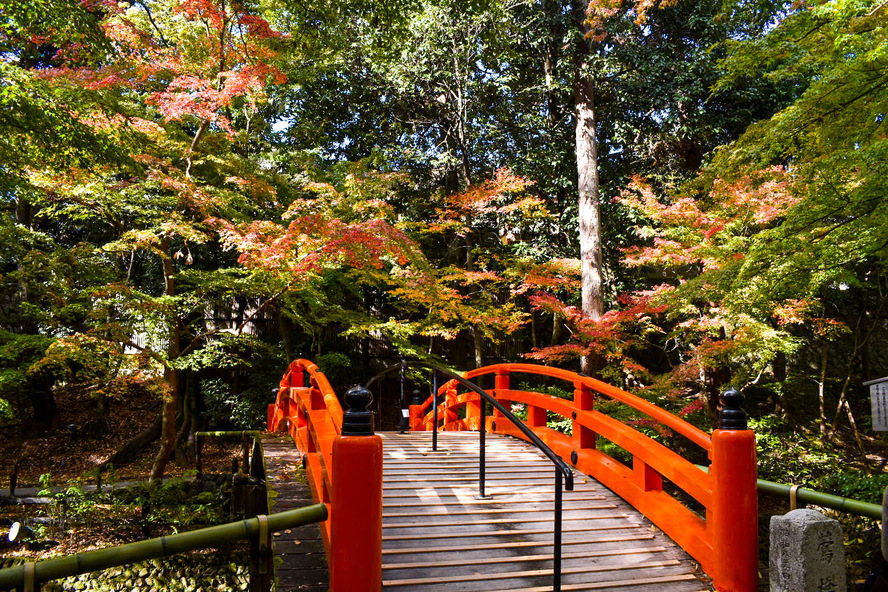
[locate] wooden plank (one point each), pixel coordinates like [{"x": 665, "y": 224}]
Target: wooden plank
[
  {"x": 494, "y": 533},
  {"x": 548, "y": 476},
  {"x": 526, "y": 558},
  {"x": 425, "y": 471},
  {"x": 446, "y": 456},
  {"x": 478, "y": 511},
  {"x": 429, "y": 524},
  {"x": 541, "y": 500},
  {"x": 447, "y": 461},
  {"x": 301, "y": 566},
  {"x": 609, "y": 584},
  {"x": 470, "y": 485},
  {"x": 467, "y": 456},
  {"x": 517, "y": 545},
  {"x": 470, "y": 492},
  {"x": 465, "y": 461},
  {"x": 475, "y": 577}
]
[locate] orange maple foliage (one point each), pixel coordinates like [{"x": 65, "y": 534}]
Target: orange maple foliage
[
  {"x": 696, "y": 230},
  {"x": 493, "y": 196},
  {"x": 233, "y": 60},
  {"x": 601, "y": 10}
]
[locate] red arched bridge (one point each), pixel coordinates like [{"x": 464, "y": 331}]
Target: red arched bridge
[{"x": 494, "y": 502}]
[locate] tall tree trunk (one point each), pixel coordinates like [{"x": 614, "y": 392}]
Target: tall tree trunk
[
  {"x": 714, "y": 380},
  {"x": 171, "y": 377},
  {"x": 821, "y": 391},
  {"x": 46, "y": 412},
  {"x": 284, "y": 329},
  {"x": 779, "y": 367},
  {"x": 167, "y": 425},
  {"x": 185, "y": 433},
  {"x": 588, "y": 186},
  {"x": 474, "y": 330},
  {"x": 557, "y": 330},
  {"x": 590, "y": 212}
]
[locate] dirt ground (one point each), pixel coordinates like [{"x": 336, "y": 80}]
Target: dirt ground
[{"x": 70, "y": 456}]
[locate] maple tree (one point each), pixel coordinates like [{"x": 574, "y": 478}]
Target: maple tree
[
  {"x": 761, "y": 246},
  {"x": 345, "y": 233},
  {"x": 698, "y": 323},
  {"x": 830, "y": 247},
  {"x": 177, "y": 89}
]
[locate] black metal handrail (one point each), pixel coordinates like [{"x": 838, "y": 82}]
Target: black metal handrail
[{"x": 562, "y": 469}]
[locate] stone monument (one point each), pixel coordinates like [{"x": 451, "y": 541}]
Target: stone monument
[{"x": 807, "y": 553}]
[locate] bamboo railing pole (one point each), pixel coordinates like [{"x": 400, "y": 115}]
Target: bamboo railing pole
[
  {"x": 818, "y": 498},
  {"x": 90, "y": 561}
]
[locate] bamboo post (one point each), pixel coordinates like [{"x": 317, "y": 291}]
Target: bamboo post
[
  {"x": 261, "y": 555},
  {"x": 734, "y": 517},
  {"x": 356, "y": 512}
]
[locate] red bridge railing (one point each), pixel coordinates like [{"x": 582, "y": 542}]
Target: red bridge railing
[
  {"x": 343, "y": 465},
  {"x": 724, "y": 540}
]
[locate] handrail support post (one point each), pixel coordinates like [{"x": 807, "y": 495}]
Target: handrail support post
[
  {"x": 482, "y": 452},
  {"x": 735, "y": 505},
  {"x": 356, "y": 500},
  {"x": 434, "y": 411}
]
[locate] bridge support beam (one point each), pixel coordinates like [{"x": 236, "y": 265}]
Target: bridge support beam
[
  {"x": 356, "y": 514},
  {"x": 734, "y": 515}
]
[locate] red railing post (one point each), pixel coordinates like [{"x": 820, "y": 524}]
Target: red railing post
[
  {"x": 584, "y": 400},
  {"x": 473, "y": 413},
  {"x": 315, "y": 396},
  {"x": 416, "y": 423},
  {"x": 356, "y": 512},
  {"x": 734, "y": 515},
  {"x": 501, "y": 385},
  {"x": 271, "y": 416},
  {"x": 537, "y": 417},
  {"x": 450, "y": 417},
  {"x": 279, "y": 410},
  {"x": 296, "y": 375}
]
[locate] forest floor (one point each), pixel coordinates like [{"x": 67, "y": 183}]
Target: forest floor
[
  {"x": 69, "y": 456},
  {"x": 70, "y": 453}
]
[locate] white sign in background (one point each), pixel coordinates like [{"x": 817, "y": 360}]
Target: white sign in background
[{"x": 879, "y": 402}]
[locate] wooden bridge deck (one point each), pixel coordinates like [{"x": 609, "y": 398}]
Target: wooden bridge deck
[{"x": 437, "y": 536}]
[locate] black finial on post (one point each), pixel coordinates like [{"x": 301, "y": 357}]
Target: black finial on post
[
  {"x": 357, "y": 419},
  {"x": 731, "y": 416}
]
